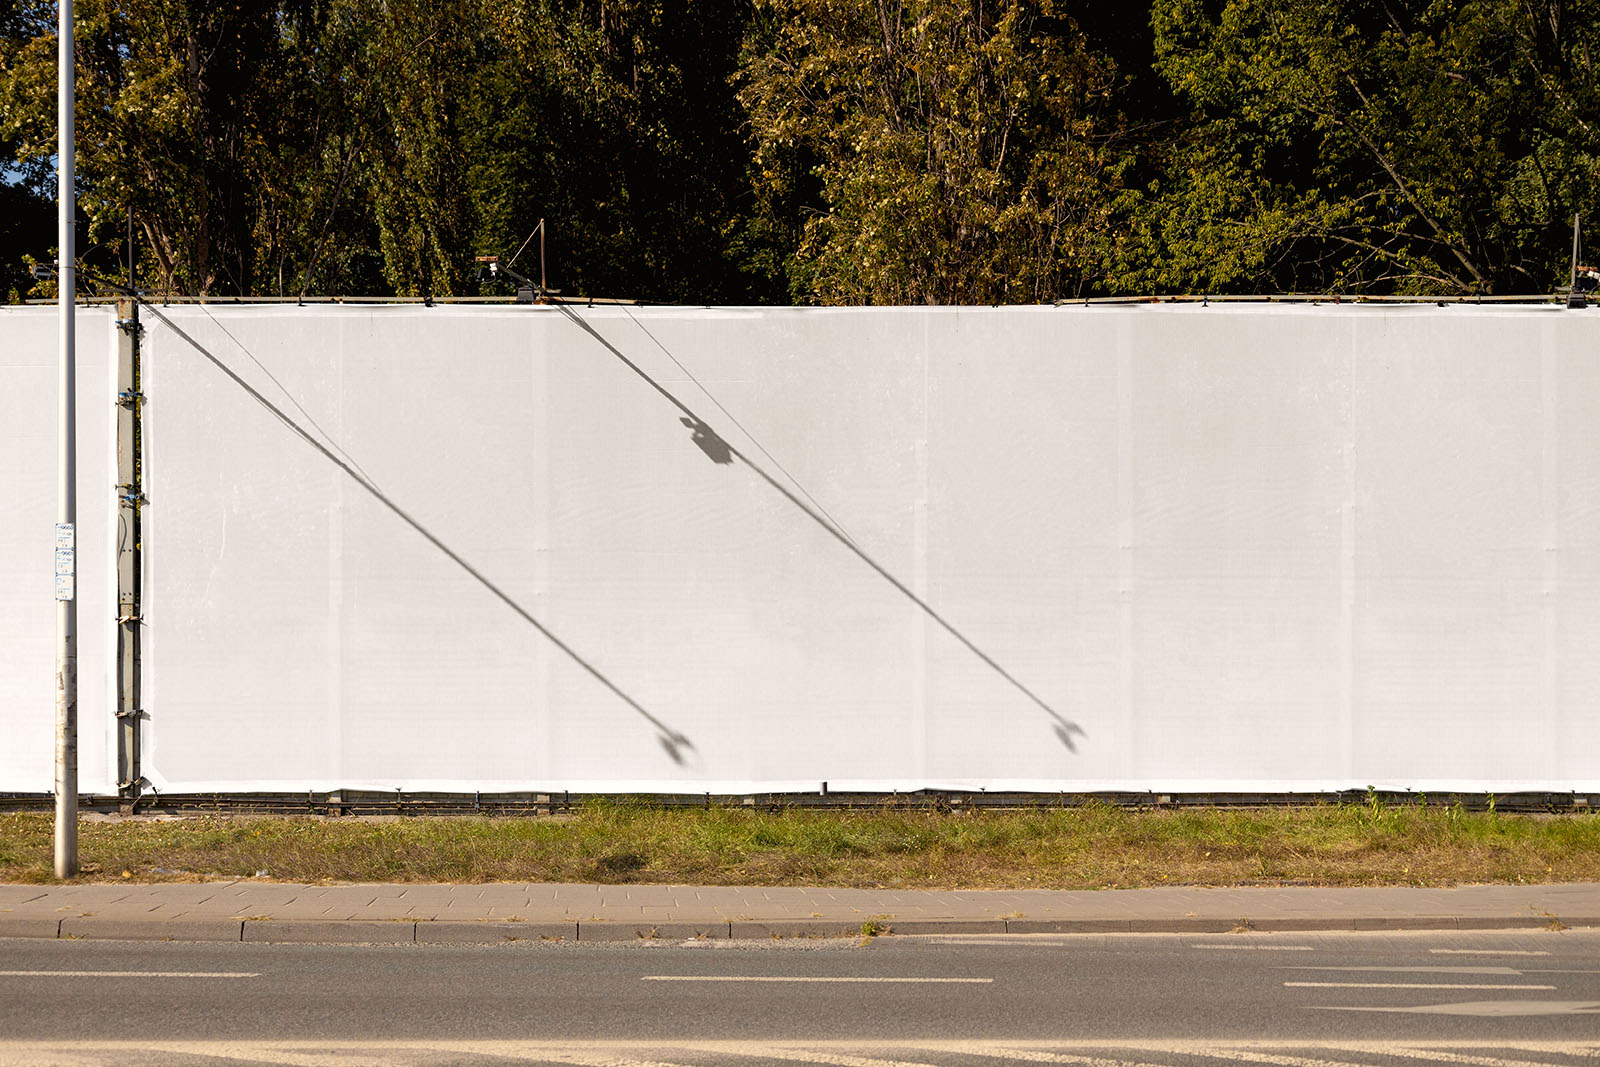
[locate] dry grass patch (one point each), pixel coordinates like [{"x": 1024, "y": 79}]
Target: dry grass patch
[{"x": 1073, "y": 848}]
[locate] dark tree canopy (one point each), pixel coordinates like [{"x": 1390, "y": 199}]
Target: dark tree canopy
[{"x": 826, "y": 151}]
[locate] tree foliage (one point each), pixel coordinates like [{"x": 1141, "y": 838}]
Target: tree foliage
[
  {"x": 964, "y": 152},
  {"x": 1385, "y": 145},
  {"x": 834, "y": 151}
]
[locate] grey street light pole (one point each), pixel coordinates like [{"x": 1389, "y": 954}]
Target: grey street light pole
[{"x": 67, "y": 469}]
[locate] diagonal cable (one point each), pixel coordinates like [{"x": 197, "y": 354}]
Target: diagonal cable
[{"x": 284, "y": 389}]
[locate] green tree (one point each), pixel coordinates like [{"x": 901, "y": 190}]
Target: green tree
[
  {"x": 615, "y": 121},
  {"x": 1429, "y": 146},
  {"x": 419, "y": 62},
  {"x": 27, "y": 229},
  {"x": 938, "y": 152},
  {"x": 195, "y": 120}
]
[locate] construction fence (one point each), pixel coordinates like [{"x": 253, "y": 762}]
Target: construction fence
[{"x": 1177, "y": 548}]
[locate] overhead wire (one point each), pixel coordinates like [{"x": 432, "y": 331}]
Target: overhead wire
[{"x": 290, "y": 396}]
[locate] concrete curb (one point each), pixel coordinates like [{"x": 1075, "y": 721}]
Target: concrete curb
[
  {"x": 600, "y": 930},
  {"x": 347, "y": 931},
  {"x": 28, "y": 926},
  {"x": 472, "y": 932},
  {"x": 752, "y": 929},
  {"x": 90, "y": 928},
  {"x": 469, "y": 932}
]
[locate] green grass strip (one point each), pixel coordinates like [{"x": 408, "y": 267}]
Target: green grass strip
[{"x": 1090, "y": 847}]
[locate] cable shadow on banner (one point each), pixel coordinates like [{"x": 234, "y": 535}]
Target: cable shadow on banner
[
  {"x": 676, "y": 745},
  {"x": 720, "y": 451}
]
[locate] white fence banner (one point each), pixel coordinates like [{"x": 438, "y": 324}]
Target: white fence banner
[
  {"x": 29, "y": 340},
  {"x": 1174, "y": 547}
]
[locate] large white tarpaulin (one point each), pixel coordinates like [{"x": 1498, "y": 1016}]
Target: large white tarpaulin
[
  {"x": 1224, "y": 548},
  {"x": 29, "y": 339}
]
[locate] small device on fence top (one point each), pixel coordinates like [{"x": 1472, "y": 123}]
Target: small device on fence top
[{"x": 490, "y": 266}]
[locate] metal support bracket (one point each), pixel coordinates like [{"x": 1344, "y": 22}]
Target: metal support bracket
[{"x": 130, "y": 503}]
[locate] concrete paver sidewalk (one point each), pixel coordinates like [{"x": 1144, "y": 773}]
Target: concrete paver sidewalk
[{"x": 276, "y": 911}]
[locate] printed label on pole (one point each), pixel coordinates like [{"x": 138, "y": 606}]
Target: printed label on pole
[{"x": 66, "y": 561}]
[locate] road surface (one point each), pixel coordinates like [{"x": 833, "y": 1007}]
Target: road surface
[{"x": 1284, "y": 1000}]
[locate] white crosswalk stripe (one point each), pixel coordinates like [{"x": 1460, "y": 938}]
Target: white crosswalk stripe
[
  {"x": 1025, "y": 1055},
  {"x": 1442, "y": 1056},
  {"x": 1266, "y": 1057},
  {"x": 836, "y": 1059}
]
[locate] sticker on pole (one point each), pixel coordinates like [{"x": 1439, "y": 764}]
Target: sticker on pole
[{"x": 66, "y": 561}]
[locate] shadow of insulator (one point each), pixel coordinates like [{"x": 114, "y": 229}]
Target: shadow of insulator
[
  {"x": 675, "y": 744},
  {"x": 1064, "y": 734}
]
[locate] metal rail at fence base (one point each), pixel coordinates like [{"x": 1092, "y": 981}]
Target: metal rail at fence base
[{"x": 373, "y": 802}]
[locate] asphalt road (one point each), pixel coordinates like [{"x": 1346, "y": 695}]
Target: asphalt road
[{"x": 1422, "y": 1000}]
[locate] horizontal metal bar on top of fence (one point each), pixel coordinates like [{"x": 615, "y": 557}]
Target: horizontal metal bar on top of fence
[{"x": 372, "y": 802}]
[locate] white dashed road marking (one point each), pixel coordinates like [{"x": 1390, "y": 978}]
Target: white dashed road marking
[
  {"x": 1404, "y": 985},
  {"x": 1509, "y": 971},
  {"x": 1493, "y": 1009},
  {"x": 129, "y": 974},
  {"x": 810, "y": 978}
]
